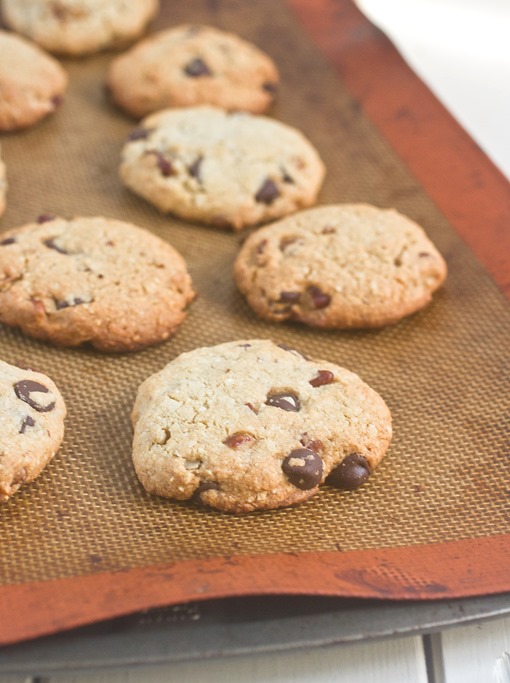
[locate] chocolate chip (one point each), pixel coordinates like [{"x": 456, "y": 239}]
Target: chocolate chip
[
  {"x": 319, "y": 298},
  {"x": 238, "y": 439},
  {"x": 324, "y": 377},
  {"x": 138, "y": 134},
  {"x": 287, "y": 241},
  {"x": 286, "y": 400},
  {"x": 59, "y": 305},
  {"x": 197, "y": 67},
  {"x": 23, "y": 390},
  {"x": 252, "y": 408},
  {"x": 45, "y": 217},
  {"x": 351, "y": 473},
  {"x": 194, "y": 169},
  {"x": 303, "y": 468},
  {"x": 57, "y": 100},
  {"x": 290, "y": 297},
  {"x": 267, "y": 192},
  {"x": 314, "y": 445},
  {"x": 27, "y": 422},
  {"x": 164, "y": 164},
  {"x": 7, "y": 240},
  {"x": 202, "y": 488},
  {"x": 270, "y": 87},
  {"x": 51, "y": 244}
]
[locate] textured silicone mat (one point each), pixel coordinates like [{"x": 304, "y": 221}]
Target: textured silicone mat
[{"x": 444, "y": 372}]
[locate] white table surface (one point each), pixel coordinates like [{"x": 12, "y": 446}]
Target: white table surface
[{"x": 461, "y": 49}]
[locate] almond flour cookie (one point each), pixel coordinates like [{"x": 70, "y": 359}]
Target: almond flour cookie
[
  {"x": 32, "y": 412},
  {"x": 3, "y": 186},
  {"x": 252, "y": 425},
  {"x": 192, "y": 65},
  {"x": 94, "y": 280},
  {"x": 32, "y": 83},
  {"x": 78, "y": 27},
  {"x": 229, "y": 170},
  {"x": 341, "y": 266}
]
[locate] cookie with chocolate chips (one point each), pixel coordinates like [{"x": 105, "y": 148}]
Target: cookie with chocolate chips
[
  {"x": 228, "y": 170},
  {"x": 253, "y": 425},
  {"x": 32, "y": 412},
  {"x": 79, "y": 27},
  {"x": 94, "y": 280},
  {"x": 3, "y": 185},
  {"x": 193, "y": 65},
  {"x": 342, "y": 266},
  {"x": 32, "y": 83}
]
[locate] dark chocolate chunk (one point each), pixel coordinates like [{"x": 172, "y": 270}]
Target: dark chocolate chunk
[
  {"x": 194, "y": 168},
  {"x": 352, "y": 473},
  {"x": 45, "y": 217},
  {"x": 7, "y": 240},
  {"x": 27, "y": 422},
  {"x": 267, "y": 192},
  {"x": 202, "y": 488},
  {"x": 270, "y": 87},
  {"x": 304, "y": 468},
  {"x": 164, "y": 164},
  {"x": 324, "y": 377},
  {"x": 196, "y": 68},
  {"x": 290, "y": 297},
  {"x": 51, "y": 244},
  {"x": 138, "y": 134},
  {"x": 26, "y": 387},
  {"x": 319, "y": 298},
  {"x": 286, "y": 400},
  {"x": 66, "y": 304},
  {"x": 238, "y": 439}
]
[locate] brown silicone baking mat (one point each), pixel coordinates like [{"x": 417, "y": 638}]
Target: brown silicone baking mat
[{"x": 444, "y": 372}]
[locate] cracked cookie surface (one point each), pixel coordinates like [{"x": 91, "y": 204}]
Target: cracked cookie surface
[
  {"x": 78, "y": 27},
  {"x": 94, "y": 280},
  {"x": 33, "y": 413},
  {"x": 32, "y": 83},
  {"x": 228, "y": 170},
  {"x": 193, "y": 65},
  {"x": 251, "y": 425},
  {"x": 341, "y": 266}
]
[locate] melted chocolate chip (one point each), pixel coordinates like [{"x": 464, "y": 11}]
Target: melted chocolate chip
[
  {"x": 286, "y": 400},
  {"x": 324, "y": 377},
  {"x": 27, "y": 422},
  {"x": 26, "y": 387},
  {"x": 303, "y": 468},
  {"x": 51, "y": 244},
  {"x": 319, "y": 298},
  {"x": 138, "y": 134},
  {"x": 164, "y": 164},
  {"x": 268, "y": 192},
  {"x": 7, "y": 240},
  {"x": 352, "y": 473},
  {"x": 238, "y": 439},
  {"x": 194, "y": 169},
  {"x": 202, "y": 488},
  {"x": 59, "y": 305},
  {"x": 314, "y": 445},
  {"x": 45, "y": 217},
  {"x": 196, "y": 68},
  {"x": 270, "y": 87},
  {"x": 290, "y": 297}
]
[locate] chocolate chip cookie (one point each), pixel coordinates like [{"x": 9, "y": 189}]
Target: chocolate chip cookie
[
  {"x": 228, "y": 170},
  {"x": 32, "y": 412},
  {"x": 342, "y": 266},
  {"x": 94, "y": 280},
  {"x": 252, "y": 425},
  {"x": 79, "y": 27},
  {"x": 192, "y": 65},
  {"x": 3, "y": 185},
  {"x": 32, "y": 83}
]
